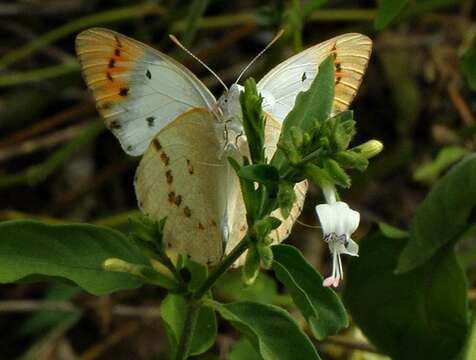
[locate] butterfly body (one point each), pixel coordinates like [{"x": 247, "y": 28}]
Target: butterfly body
[{"x": 157, "y": 108}]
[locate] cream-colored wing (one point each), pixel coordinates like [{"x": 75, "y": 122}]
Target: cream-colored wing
[
  {"x": 138, "y": 90},
  {"x": 239, "y": 225},
  {"x": 281, "y": 85},
  {"x": 184, "y": 177}
]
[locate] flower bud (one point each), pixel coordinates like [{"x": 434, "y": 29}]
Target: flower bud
[{"x": 370, "y": 148}]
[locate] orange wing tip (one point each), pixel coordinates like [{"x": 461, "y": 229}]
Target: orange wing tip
[{"x": 107, "y": 60}]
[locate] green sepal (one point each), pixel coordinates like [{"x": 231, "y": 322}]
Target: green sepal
[
  {"x": 264, "y": 226},
  {"x": 286, "y": 197},
  {"x": 351, "y": 159},
  {"x": 251, "y": 268},
  {"x": 338, "y": 175},
  {"x": 265, "y": 254}
]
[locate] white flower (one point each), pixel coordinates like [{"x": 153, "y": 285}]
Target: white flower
[{"x": 338, "y": 222}]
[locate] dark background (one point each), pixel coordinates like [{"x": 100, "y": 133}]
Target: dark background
[{"x": 58, "y": 165}]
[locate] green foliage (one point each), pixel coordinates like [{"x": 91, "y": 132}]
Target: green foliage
[
  {"x": 73, "y": 252},
  {"x": 444, "y": 215},
  {"x": 320, "y": 306},
  {"x": 270, "y": 329},
  {"x": 243, "y": 349},
  {"x": 468, "y": 64},
  {"x": 422, "y": 314},
  {"x": 231, "y": 288},
  {"x": 446, "y": 157},
  {"x": 173, "y": 312},
  {"x": 44, "y": 320},
  {"x": 388, "y": 10}
]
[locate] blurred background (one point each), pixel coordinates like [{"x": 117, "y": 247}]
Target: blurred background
[{"x": 58, "y": 162}]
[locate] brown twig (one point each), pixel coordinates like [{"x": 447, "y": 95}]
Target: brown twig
[
  {"x": 25, "y": 306},
  {"x": 42, "y": 143},
  {"x": 123, "y": 332},
  {"x": 460, "y": 104}
]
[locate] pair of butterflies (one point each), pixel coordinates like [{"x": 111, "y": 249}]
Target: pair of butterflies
[{"x": 159, "y": 109}]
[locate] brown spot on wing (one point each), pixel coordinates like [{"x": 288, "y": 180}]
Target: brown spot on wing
[
  {"x": 165, "y": 159},
  {"x": 169, "y": 177},
  {"x": 157, "y": 144},
  {"x": 187, "y": 212},
  {"x": 171, "y": 197},
  {"x": 190, "y": 167},
  {"x": 178, "y": 200},
  {"x": 123, "y": 91},
  {"x": 200, "y": 226}
]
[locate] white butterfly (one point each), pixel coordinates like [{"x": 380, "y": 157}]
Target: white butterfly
[{"x": 157, "y": 107}]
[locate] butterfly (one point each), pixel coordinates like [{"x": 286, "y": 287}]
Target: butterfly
[{"x": 159, "y": 109}]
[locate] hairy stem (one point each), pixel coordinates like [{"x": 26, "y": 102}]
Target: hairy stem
[
  {"x": 193, "y": 308},
  {"x": 221, "y": 268}
]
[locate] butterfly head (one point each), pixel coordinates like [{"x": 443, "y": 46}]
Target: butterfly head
[{"x": 229, "y": 104}]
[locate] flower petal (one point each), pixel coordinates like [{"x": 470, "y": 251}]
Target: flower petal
[
  {"x": 352, "y": 220},
  {"x": 327, "y": 218},
  {"x": 341, "y": 210},
  {"x": 352, "y": 248}
]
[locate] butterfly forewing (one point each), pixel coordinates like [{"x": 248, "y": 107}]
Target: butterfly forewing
[
  {"x": 138, "y": 90},
  {"x": 282, "y": 84}
]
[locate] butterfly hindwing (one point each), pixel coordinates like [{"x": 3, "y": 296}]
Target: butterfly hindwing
[
  {"x": 138, "y": 90},
  {"x": 280, "y": 86},
  {"x": 184, "y": 177}
]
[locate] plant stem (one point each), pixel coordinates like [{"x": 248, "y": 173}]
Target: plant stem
[
  {"x": 193, "y": 308},
  {"x": 221, "y": 268},
  {"x": 194, "y": 302}
]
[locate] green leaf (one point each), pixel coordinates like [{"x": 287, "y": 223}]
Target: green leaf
[
  {"x": 250, "y": 196},
  {"x": 313, "y": 105},
  {"x": 230, "y": 287},
  {"x": 391, "y": 231},
  {"x": 172, "y": 312},
  {"x": 446, "y": 157},
  {"x": 243, "y": 349},
  {"x": 319, "y": 305},
  {"x": 261, "y": 173},
  {"x": 468, "y": 64},
  {"x": 469, "y": 351},
  {"x": 271, "y": 330},
  {"x": 75, "y": 252},
  {"x": 253, "y": 120},
  {"x": 422, "y": 314},
  {"x": 388, "y": 10},
  {"x": 445, "y": 214}
]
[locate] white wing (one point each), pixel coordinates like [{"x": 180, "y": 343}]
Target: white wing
[
  {"x": 138, "y": 90},
  {"x": 281, "y": 85}
]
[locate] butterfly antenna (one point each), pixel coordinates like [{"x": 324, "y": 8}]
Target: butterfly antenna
[
  {"x": 179, "y": 44},
  {"x": 278, "y": 35}
]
